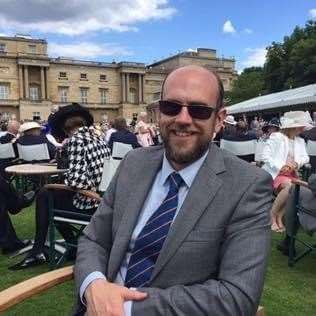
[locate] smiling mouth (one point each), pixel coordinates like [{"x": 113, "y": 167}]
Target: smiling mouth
[{"x": 182, "y": 133}]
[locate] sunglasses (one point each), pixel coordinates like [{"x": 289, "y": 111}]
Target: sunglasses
[{"x": 200, "y": 112}]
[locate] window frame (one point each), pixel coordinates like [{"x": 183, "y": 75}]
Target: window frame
[
  {"x": 84, "y": 98},
  {"x": 4, "y": 91}
]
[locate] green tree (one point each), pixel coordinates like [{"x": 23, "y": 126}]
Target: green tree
[
  {"x": 248, "y": 85},
  {"x": 292, "y": 63}
]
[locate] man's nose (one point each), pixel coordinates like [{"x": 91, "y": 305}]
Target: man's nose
[{"x": 184, "y": 117}]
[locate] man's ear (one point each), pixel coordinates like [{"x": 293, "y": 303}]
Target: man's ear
[{"x": 220, "y": 117}]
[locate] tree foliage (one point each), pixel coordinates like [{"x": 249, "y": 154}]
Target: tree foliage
[
  {"x": 292, "y": 63},
  {"x": 289, "y": 64},
  {"x": 248, "y": 85}
]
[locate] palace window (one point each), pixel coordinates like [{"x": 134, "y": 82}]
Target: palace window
[
  {"x": 133, "y": 96},
  {"x": 32, "y": 49},
  {"x": 34, "y": 93},
  {"x": 63, "y": 94},
  {"x": 103, "y": 95},
  {"x": 84, "y": 95},
  {"x": 102, "y": 77},
  {"x": 63, "y": 75},
  {"x": 83, "y": 76},
  {"x": 36, "y": 116},
  {"x": 4, "y": 91},
  {"x": 2, "y": 48}
]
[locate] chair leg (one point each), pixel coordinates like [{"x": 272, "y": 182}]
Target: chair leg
[{"x": 291, "y": 260}]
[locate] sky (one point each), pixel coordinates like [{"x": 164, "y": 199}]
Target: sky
[{"x": 149, "y": 30}]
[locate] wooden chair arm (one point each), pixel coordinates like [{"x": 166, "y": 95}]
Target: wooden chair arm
[
  {"x": 90, "y": 194},
  {"x": 26, "y": 289},
  {"x": 87, "y": 193},
  {"x": 300, "y": 182},
  {"x": 21, "y": 291},
  {"x": 58, "y": 186}
]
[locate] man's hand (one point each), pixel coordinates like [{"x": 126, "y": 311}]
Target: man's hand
[{"x": 105, "y": 298}]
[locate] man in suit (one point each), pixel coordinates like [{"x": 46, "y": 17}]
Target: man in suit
[
  {"x": 122, "y": 134},
  {"x": 31, "y": 135},
  {"x": 186, "y": 224}
]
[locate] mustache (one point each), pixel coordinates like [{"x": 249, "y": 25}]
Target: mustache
[{"x": 181, "y": 128}]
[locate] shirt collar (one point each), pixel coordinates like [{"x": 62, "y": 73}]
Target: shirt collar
[{"x": 188, "y": 173}]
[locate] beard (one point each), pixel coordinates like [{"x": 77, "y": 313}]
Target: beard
[{"x": 179, "y": 153}]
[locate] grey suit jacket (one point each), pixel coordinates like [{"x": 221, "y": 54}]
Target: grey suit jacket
[{"x": 214, "y": 258}]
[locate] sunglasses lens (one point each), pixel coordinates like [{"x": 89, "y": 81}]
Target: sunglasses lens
[
  {"x": 169, "y": 108},
  {"x": 199, "y": 112}
]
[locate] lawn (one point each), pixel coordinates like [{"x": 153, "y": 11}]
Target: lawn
[{"x": 287, "y": 292}]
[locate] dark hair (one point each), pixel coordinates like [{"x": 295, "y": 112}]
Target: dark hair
[
  {"x": 220, "y": 97},
  {"x": 74, "y": 122},
  {"x": 120, "y": 123}
]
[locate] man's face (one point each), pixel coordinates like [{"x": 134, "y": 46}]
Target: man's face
[{"x": 186, "y": 139}]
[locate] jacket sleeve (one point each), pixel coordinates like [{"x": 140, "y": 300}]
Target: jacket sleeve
[
  {"x": 77, "y": 175},
  {"x": 302, "y": 156},
  {"x": 241, "y": 269},
  {"x": 270, "y": 153}
]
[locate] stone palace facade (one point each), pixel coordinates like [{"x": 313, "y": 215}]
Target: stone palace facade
[{"x": 31, "y": 82}]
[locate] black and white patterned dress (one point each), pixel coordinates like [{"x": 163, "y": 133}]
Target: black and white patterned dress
[{"x": 86, "y": 152}]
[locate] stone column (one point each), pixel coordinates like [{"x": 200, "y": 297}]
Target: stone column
[
  {"x": 26, "y": 82},
  {"x": 127, "y": 88},
  {"x": 43, "y": 92},
  {"x": 21, "y": 82},
  {"x": 123, "y": 88},
  {"x": 143, "y": 87},
  {"x": 140, "y": 90},
  {"x": 47, "y": 82}
]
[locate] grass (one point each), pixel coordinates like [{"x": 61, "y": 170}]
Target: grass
[{"x": 287, "y": 292}]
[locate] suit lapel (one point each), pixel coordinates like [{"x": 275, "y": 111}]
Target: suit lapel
[
  {"x": 193, "y": 207},
  {"x": 140, "y": 186}
]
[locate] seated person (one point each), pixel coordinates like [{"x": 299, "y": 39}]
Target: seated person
[
  {"x": 122, "y": 134},
  {"x": 31, "y": 135},
  {"x": 11, "y": 201},
  {"x": 283, "y": 154},
  {"x": 10, "y": 137},
  {"x": 307, "y": 199},
  {"x": 86, "y": 152}
]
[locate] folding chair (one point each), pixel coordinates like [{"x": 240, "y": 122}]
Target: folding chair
[
  {"x": 33, "y": 152},
  {"x": 120, "y": 150},
  {"x": 311, "y": 150},
  {"x": 292, "y": 224},
  {"x": 242, "y": 149},
  {"x": 76, "y": 222},
  {"x": 38, "y": 284},
  {"x": 7, "y": 151}
]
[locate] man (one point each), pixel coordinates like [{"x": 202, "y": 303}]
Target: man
[
  {"x": 9, "y": 137},
  {"x": 31, "y": 135},
  {"x": 208, "y": 251},
  {"x": 122, "y": 134},
  {"x": 86, "y": 154},
  {"x": 11, "y": 202}
]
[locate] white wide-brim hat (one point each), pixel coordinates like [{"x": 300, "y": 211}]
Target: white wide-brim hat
[
  {"x": 27, "y": 126},
  {"x": 295, "y": 119},
  {"x": 230, "y": 120}
]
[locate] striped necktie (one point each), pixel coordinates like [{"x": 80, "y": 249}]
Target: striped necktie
[{"x": 151, "y": 238}]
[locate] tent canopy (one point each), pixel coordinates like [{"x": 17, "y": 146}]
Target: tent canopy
[{"x": 302, "y": 95}]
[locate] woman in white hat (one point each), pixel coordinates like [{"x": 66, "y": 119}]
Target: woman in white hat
[{"x": 283, "y": 154}]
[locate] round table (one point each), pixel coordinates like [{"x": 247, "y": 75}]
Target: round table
[{"x": 34, "y": 169}]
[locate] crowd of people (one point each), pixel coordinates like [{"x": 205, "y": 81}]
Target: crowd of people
[{"x": 178, "y": 201}]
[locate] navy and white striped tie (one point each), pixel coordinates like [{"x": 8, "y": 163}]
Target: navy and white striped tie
[{"x": 151, "y": 238}]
